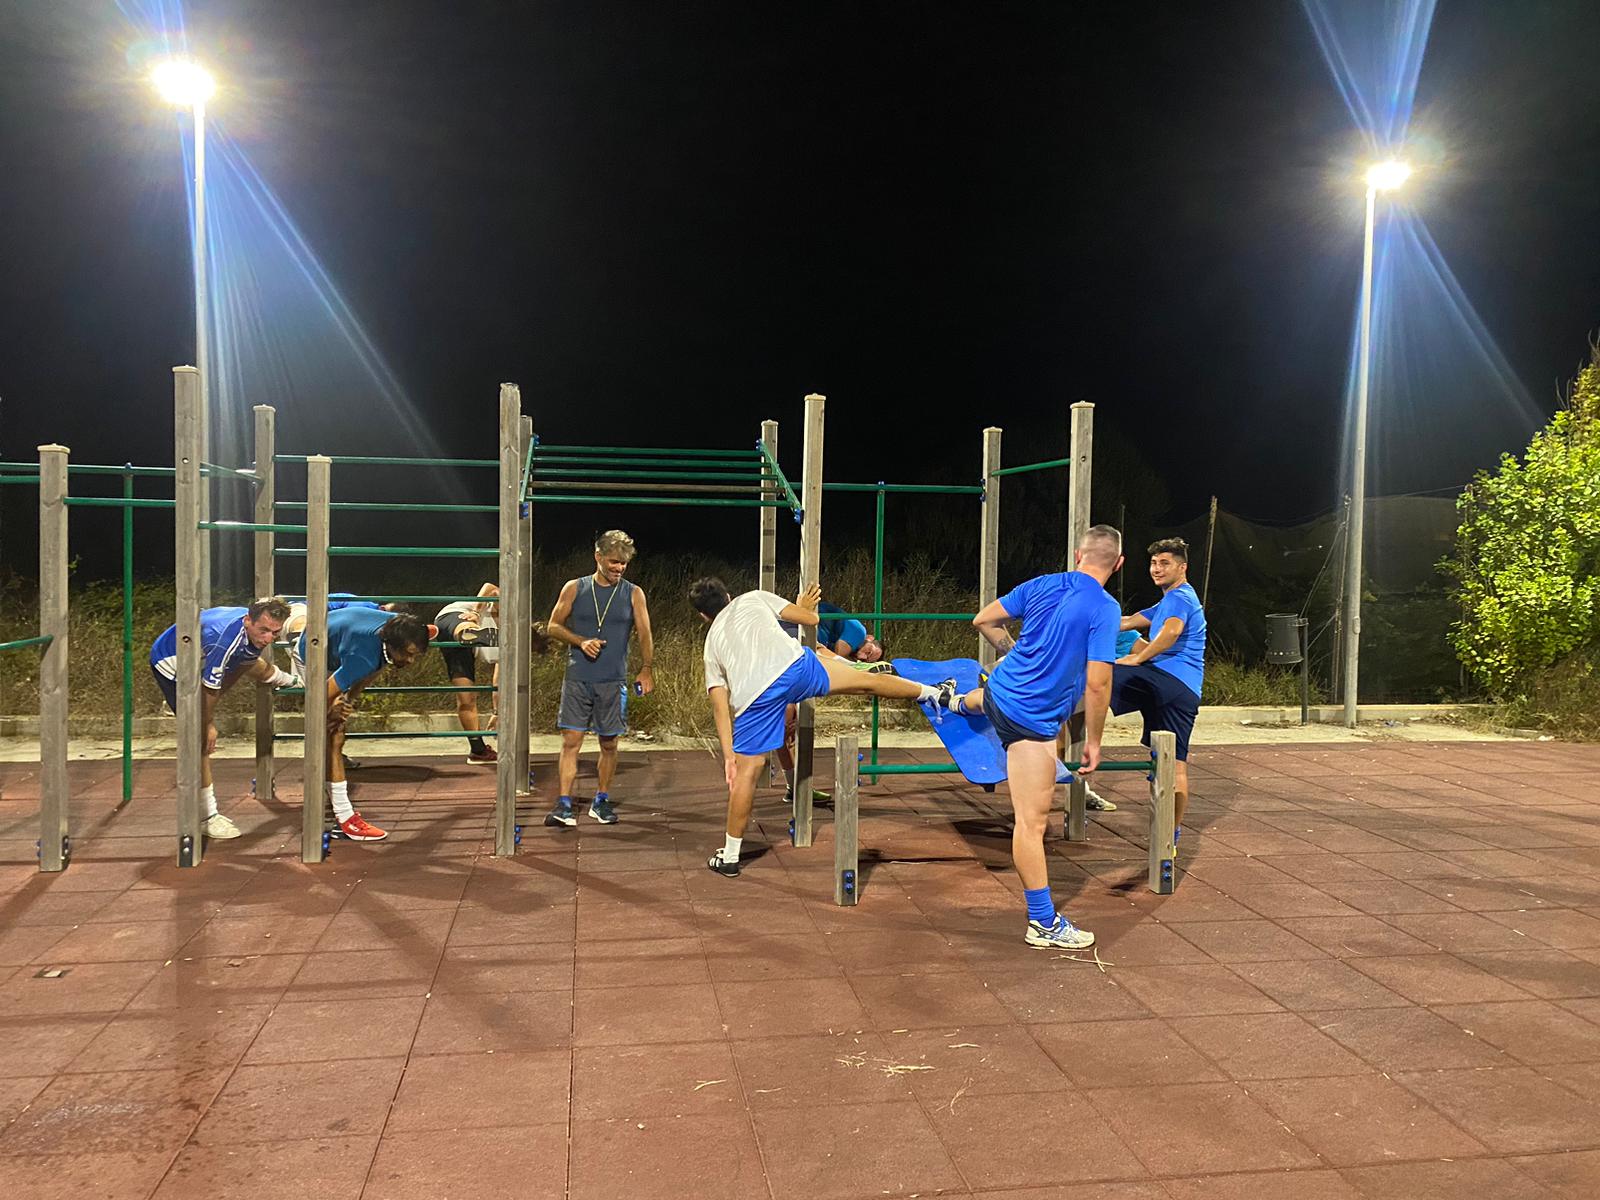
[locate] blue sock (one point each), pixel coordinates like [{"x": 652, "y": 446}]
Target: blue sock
[
  {"x": 563, "y": 801},
  {"x": 1177, "y": 834},
  {"x": 1040, "y": 907},
  {"x": 599, "y": 796}
]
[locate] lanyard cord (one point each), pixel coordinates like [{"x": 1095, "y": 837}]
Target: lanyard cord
[{"x": 600, "y": 617}]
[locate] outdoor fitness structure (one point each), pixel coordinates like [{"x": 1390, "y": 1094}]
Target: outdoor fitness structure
[{"x": 528, "y": 473}]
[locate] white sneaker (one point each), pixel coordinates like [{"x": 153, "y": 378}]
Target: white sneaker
[
  {"x": 219, "y": 826},
  {"x": 1095, "y": 802},
  {"x": 1063, "y": 935}
]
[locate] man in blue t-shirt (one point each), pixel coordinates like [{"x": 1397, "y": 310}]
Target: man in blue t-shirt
[
  {"x": 231, "y": 645},
  {"x": 1063, "y": 655},
  {"x": 846, "y": 636},
  {"x": 1161, "y": 678},
  {"x": 361, "y": 641}
]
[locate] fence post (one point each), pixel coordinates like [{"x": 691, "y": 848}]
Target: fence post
[
  {"x": 768, "y": 577},
  {"x": 265, "y": 582},
  {"x": 1079, "y": 490},
  {"x": 313, "y": 823},
  {"x": 54, "y": 809},
  {"x": 989, "y": 537},
  {"x": 189, "y": 588},
  {"x": 524, "y": 681},
  {"x": 513, "y": 631},
  {"x": 1164, "y": 746},
  {"x": 810, "y": 570},
  {"x": 846, "y": 819}
]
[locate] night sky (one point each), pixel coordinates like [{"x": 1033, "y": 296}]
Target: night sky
[{"x": 667, "y": 221}]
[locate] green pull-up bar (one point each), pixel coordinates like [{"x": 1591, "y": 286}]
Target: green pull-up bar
[
  {"x": 602, "y": 498},
  {"x": 22, "y": 643},
  {"x": 937, "y": 489},
  {"x": 395, "y": 552},
  {"x": 1038, "y": 466},
  {"x": 116, "y": 502},
  {"x": 541, "y": 450},
  {"x": 248, "y": 527},
  {"x": 373, "y": 460},
  {"x": 374, "y": 506},
  {"x": 867, "y": 768}
]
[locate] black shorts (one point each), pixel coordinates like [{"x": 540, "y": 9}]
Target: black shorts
[
  {"x": 459, "y": 661},
  {"x": 1163, "y": 700},
  {"x": 1007, "y": 729}
]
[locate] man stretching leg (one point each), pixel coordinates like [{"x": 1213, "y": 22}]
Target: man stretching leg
[
  {"x": 1065, "y": 651},
  {"x": 754, "y": 671}
]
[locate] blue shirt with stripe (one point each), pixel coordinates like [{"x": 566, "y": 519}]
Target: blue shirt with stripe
[
  {"x": 1068, "y": 621},
  {"x": 224, "y": 647}
]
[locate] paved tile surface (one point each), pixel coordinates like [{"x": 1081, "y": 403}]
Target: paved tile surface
[{"x": 1379, "y": 977}]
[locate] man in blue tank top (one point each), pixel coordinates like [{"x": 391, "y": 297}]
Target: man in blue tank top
[
  {"x": 1063, "y": 655},
  {"x": 595, "y": 616},
  {"x": 1161, "y": 678}
]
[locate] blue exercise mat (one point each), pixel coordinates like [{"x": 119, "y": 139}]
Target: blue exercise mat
[{"x": 971, "y": 740}]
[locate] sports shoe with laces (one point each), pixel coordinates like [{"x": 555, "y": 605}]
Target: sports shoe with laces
[
  {"x": 487, "y": 758},
  {"x": 1063, "y": 935},
  {"x": 601, "y": 810},
  {"x": 730, "y": 869},
  {"x": 948, "y": 695},
  {"x": 219, "y": 826},
  {"x": 358, "y": 829},
  {"x": 471, "y": 635},
  {"x": 1094, "y": 801},
  {"x": 561, "y": 814}
]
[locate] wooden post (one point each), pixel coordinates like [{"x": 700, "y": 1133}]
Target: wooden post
[
  {"x": 54, "y": 808},
  {"x": 810, "y": 570},
  {"x": 188, "y": 587},
  {"x": 1163, "y": 850},
  {"x": 989, "y": 537},
  {"x": 513, "y": 632},
  {"x": 846, "y": 819},
  {"x": 265, "y": 582},
  {"x": 524, "y": 774},
  {"x": 313, "y": 826},
  {"x": 768, "y": 558},
  {"x": 1079, "y": 490}
]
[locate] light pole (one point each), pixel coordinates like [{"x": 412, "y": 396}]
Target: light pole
[
  {"x": 1382, "y": 177},
  {"x": 184, "y": 83}
]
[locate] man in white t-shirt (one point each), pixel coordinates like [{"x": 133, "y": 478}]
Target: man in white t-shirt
[
  {"x": 454, "y": 621},
  {"x": 754, "y": 671}
]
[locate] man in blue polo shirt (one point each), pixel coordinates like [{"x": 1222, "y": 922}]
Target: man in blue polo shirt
[
  {"x": 361, "y": 641},
  {"x": 231, "y": 644},
  {"x": 846, "y": 636},
  {"x": 1161, "y": 678},
  {"x": 1064, "y": 654}
]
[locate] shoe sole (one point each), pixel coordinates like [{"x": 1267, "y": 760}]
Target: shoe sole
[
  {"x": 720, "y": 871},
  {"x": 362, "y": 837},
  {"x": 224, "y": 837},
  {"x": 599, "y": 820},
  {"x": 556, "y": 822},
  {"x": 482, "y": 762},
  {"x": 1046, "y": 944}
]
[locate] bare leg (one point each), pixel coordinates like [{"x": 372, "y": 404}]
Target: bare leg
[
  {"x": 608, "y": 763},
  {"x": 466, "y": 704},
  {"x": 843, "y": 679},
  {"x": 567, "y": 772},
  {"x": 1180, "y": 792},
  {"x": 742, "y": 795},
  {"x": 336, "y": 754},
  {"x": 1031, "y": 769}
]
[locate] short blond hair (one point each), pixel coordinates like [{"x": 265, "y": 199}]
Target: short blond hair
[{"x": 613, "y": 543}]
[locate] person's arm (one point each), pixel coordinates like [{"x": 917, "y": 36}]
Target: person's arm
[
  {"x": 1096, "y": 699},
  {"x": 208, "y": 708},
  {"x": 591, "y": 647},
  {"x": 488, "y": 589},
  {"x": 991, "y": 625},
  {"x": 722, "y": 714},
  {"x": 647, "y": 643},
  {"x": 1171, "y": 631},
  {"x": 339, "y": 706},
  {"x": 804, "y": 610},
  {"x": 264, "y": 670},
  {"x": 1136, "y": 620}
]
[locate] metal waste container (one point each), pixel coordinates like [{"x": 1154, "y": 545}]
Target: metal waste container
[{"x": 1286, "y": 645}]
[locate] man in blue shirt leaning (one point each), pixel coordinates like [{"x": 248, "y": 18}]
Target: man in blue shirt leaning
[
  {"x": 1063, "y": 655},
  {"x": 1161, "y": 678}
]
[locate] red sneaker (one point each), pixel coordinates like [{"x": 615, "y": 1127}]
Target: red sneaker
[
  {"x": 357, "y": 829},
  {"x": 488, "y": 758}
]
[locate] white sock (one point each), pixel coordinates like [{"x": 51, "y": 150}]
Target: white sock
[
  {"x": 730, "y": 848},
  {"x": 788, "y": 778},
  {"x": 208, "y": 796},
  {"x": 343, "y": 810},
  {"x": 929, "y": 692}
]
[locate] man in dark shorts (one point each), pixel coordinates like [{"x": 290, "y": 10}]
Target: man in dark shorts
[
  {"x": 468, "y": 621},
  {"x": 1064, "y": 654},
  {"x": 595, "y": 616},
  {"x": 1161, "y": 678}
]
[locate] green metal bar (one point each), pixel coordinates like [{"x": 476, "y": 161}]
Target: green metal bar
[
  {"x": 373, "y": 506},
  {"x": 127, "y": 640},
  {"x": 372, "y": 460},
  {"x": 412, "y": 599},
  {"x": 783, "y": 480},
  {"x": 646, "y": 451},
  {"x": 937, "y": 489},
  {"x": 23, "y": 643},
  {"x": 19, "y": 479},
  {"x": 527, "y": 464},
  {"x": 744, "y": 475},
  {"x": 395, "y": 552},
  {"x": 116, "y": 502},
  {"x": 909, "y": 769},
  {"x": 1038, "y": 466},
  {"x": 902, "y": 616},
  {"x": 1114, "y": 766},
  {"x": 92, "y": 469},
  {"x": 249, "y": 527},
  {"x": 426, "y": 733},
  {"x": 417, "y": 688},
  {"x": 214, "y": 471},
  {"x": 567, "y": 464},
  {"x": 604, "y": 498}
]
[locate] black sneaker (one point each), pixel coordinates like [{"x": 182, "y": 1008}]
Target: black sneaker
[
  {"x": 471, "y": 635},
  {"x": 730, "y": 869},
  {"x": 948, "y": 696},
  {"x": 561, "y": 814},
  {"x": 601, "y": 810}
]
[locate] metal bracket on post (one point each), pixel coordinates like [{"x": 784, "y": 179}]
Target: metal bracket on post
[
  {"x": 1163, "y": 850},
  {"x": 54, "y": 809},
  {"x": 314, "y": 831},
  {"x": 846, "y": 819},
  {"x": 188, "y": 428},
  {"x": 265, "y": 583},
  {"x": 810, "y": 570},
  {"x": 512, "y": 630}
]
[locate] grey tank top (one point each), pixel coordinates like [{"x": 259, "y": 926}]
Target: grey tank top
[{"x": 613, "y": 606}]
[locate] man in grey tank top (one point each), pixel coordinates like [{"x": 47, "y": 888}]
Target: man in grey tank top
[{"x": 595, "y": 616}]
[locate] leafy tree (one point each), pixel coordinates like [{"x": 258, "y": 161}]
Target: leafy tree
[{"x": 1527, "y": 554}]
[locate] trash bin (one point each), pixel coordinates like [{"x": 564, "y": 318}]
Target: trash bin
[{"x": 1283, "y": 638}]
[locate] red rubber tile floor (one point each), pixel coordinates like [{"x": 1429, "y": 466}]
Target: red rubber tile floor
[{"x": 1379, "y": 977}]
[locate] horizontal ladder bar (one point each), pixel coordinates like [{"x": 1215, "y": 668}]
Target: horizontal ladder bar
[
  {"x": 945, "y": 489},
  {"x": 375, "y": 460},
  {"x": 377, "y": 506},
  {"x": 396, "y": 552},
  {"x": 1038, "y": 466}
]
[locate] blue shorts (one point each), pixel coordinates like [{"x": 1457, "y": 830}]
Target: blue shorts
[
  {"x": 759, "y": 728},
  {"x": 169, "y": 688},
  {"x": 1008, "y": 730},
  {"x": 1163, "y": 700}
]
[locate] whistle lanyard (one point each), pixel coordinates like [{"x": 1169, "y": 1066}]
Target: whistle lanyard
[{"x": 599, "y": 616}]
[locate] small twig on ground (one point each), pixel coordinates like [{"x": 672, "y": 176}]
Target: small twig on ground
[{"x": 705, "y": 1083}]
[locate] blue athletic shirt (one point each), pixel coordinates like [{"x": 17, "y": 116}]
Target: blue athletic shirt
[
  {"x": 223, "y": 645},
  {"x": 354, "y": 650},
  {"x": 1068, "y": 621},
  {"x": 1185, "y": 659},
  {"x": 338, "y": 600},
  {"x": 831, "y": 630}
]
